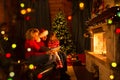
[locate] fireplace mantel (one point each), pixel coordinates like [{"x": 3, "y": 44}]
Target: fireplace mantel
[
  {"x": 100, "y": 57},
  {"x": 104, "y": 15}
]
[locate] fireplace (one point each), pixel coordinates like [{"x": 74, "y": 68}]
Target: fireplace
[{"x": 105, "y": 49}]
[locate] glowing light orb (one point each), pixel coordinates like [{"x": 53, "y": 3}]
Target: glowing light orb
[
  {"x": 14, "y": 45},
  {"x": 31, "y": 66},
  {"x": 28, "y": 49},
  {"x": 22, "y": 5},
  {"x": 8, "y": 55},
  {"x": 29, "y": 9},
  {"x": 118, "y": 14},
  {"x": 69, "y": 17},
  {"x": 39, "y": 76},
  {"x": 111, "y": 77},
  {"x": 2, "y": 32},
  {"x": 109, "y": 21},
  {"x": 114, "y": 64},
  {"x": 23, "y": 11},
  {"x": 18, "y": 61},
  {"x": 6, "y": 38},
  {"x": 11, "y": 74},
  {"x": 81, "y": 5},
  {"x": 9, "y": 79},
  {"x": 27, "y": 18}
]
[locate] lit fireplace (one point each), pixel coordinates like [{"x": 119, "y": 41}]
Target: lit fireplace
[{"x": 99, "y": 43}]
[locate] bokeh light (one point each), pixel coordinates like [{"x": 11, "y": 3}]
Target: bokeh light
[
  {"x": 10, "y": 78},
  {"x": 109, "y": 21},
  {"x": 8, "y": 55},
  {"x": 11, "y": 74},
  {"x": 118, "y": 14},
  {"x": 22, "y": 5},
  {"x": 6, "y": 38},
  {"x": 39, "y": 76},
  {"x": 29, "y": 10},
  {"x": 2, "y": 32},
  {"x": 69, "y": 17},
  {"x": 114, "y": 64},
  {"x": 14, "y": 45},
  {"x": 23, "y": 11},
  {"x": 111, "y": 76},
  {"x": 28, "y": 49},
  {"x": 31, "y": 66}
]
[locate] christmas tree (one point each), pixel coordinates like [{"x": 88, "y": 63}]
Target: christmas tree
[{"x": 59, "y": 26}]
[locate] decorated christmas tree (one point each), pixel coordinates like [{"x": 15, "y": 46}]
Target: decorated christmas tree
[{"x": 59, "y": 25}]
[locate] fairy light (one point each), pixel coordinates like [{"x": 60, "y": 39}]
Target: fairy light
[
  {"x": 81, "y": 5},
  {"x": 23, "y": 11},
  {"x": 18, "y": 61},
  {"x": 22, "y": 5},
  {"x": 11, "y": 74},
  {"x": 31, "y": 66},
  {"x": 28, "y": 49},
  {"x": 111, "y": 76},
  {"x": 29, "y": 10},
  {"x": 6, "y": 38},
  {"x": 2, "y": 32},
  {"x": 14, "y": 45},
  {"x": 8, "y": 55},
  {"x": 10, "y": 78},
  {"x": 114, "y": 64},
  {"x": 39, "y": 76}
]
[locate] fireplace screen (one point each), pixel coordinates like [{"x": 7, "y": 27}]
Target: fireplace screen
[{"x": 99, "y": 42}]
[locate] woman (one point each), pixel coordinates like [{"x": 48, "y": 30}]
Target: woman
[{"x": 34, "y": 52}]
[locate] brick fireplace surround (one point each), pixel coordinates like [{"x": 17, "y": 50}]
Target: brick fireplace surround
[{"x": 104, "y": 51}]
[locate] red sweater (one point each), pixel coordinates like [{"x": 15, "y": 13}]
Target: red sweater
[
  {"x": 53, "y": 43},
  {"x": 34, "y": 48}
]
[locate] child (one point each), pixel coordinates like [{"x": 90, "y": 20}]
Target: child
[{"x": 54, "y": 44}]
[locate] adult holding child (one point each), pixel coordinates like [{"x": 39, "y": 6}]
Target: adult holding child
[{"x": 34, "y": 51}]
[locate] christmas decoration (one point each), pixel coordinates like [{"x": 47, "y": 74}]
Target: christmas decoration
[{"x": 59, "y": 26}]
